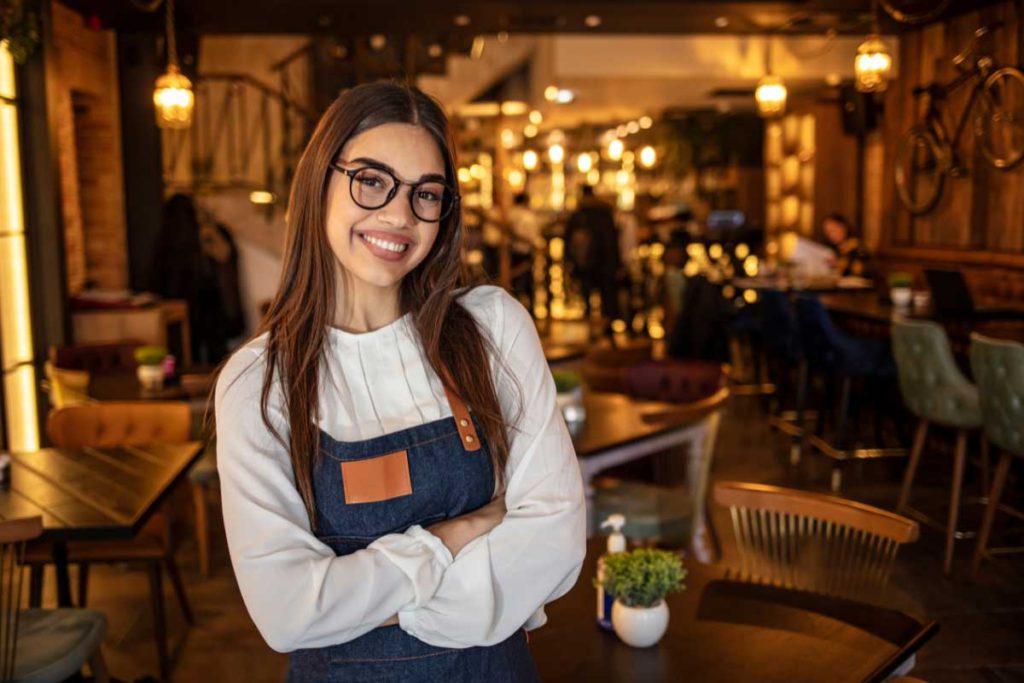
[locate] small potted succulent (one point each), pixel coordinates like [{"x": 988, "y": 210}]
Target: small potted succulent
[
  {"x": 569, "y": 398},
  {"x": 900, "y": 288},
  {"x": 639, "y": 580},
  {"x": 151, "y": 367}
]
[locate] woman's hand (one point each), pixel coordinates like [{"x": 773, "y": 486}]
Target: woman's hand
[{"x": 456, "y": 532}]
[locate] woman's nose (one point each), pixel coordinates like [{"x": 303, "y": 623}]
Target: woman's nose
[{"x": 398, "y": 212}]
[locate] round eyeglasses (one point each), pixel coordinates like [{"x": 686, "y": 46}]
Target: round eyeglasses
[{"x": 372, "y": 187}]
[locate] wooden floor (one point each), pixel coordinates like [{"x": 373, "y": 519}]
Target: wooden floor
[{"x": 982, "y": 623}]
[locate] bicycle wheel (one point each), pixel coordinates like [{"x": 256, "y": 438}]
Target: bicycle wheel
[
  {"x": 914, "y": 11},
  {"x": 999, "y": 123},
  {"x": 920, "y": 169}
]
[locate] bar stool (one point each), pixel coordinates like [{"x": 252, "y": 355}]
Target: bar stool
[
  {"x": 784, "y": 353},
  {"x": 937, "y": 393},
  {"x": 998, "y": 367},
  {"x": 843, "y": 358}
]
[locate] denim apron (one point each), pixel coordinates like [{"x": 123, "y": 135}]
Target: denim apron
[{"x": 419, "y": 475}]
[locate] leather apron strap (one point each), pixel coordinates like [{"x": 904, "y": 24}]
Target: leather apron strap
[{"x": 464, "y": 423}]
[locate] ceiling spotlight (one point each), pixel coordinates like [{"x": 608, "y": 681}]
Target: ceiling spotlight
[
  {"x": 434, "y": 50},
  {"x": 461, "y": 20},
  {"x": 721, "y": 22},
  {"x": 592, "y": 21},
  {"x": 378, "y": 42},
  {"x": 565, "y": 96},
  {"x": 551, "y": 93}
]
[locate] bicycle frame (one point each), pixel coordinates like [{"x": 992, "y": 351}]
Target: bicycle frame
[{"x": 933, "y": 115}]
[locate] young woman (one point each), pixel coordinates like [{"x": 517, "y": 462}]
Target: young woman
[{"x": 401, "y": 496}]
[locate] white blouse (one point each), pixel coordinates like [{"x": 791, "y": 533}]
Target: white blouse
[{"x": 301, "y": 595}]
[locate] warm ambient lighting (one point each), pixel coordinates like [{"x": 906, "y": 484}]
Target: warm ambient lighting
[
  {"x": 508, "y": 138},
  {"x": 172, "y": 95},
  {"x": 530, "y": 130},
  {"x": 536, "y": 117},
  {"x": 556, "y": 153},
  {"x": 16, "y": 356},
  {"x": 771, "y": 96},
  {"x": 648, "y": 157},
  {"x": 615, "y": 148},
  {"x": 872, "y": 65},
  {"x": 646, "y": 122},
  {"x": 262, "y": 197},
  {"x": 513, "y": 108},
  {"x": 584, "y": 163},
  {"x": 530, "y": 160},
  {"x": 173, "y": 99}
]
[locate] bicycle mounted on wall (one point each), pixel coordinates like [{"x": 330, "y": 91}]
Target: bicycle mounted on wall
[{"x": 927, "y": 153}]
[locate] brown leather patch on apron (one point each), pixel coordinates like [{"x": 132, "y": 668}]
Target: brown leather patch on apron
[{"x": 374, "y": 479}]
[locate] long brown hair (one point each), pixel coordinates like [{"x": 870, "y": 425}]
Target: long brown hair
[{"x": 298, "y": 316}]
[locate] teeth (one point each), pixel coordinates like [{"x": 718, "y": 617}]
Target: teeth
[{"x": 384, "y": 244}]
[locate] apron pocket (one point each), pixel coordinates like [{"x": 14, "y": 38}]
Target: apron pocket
[{"x": 375, "y": 479}]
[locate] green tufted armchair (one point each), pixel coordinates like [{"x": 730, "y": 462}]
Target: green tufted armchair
[
  {"x": 999, "y": 368},
  {"x": 936, "y": 392}
]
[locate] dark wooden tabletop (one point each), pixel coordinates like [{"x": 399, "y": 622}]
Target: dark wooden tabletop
[
  {"x": 723, "y": 630},
  {"x": 124, "y": 386},
  {"x": 617, "y": 419},
  {"x": 92, "y": 493}
]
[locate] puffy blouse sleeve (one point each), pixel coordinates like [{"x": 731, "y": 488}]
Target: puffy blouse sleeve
[
  {"x": 297, "y": 591},
  {"x": 500, "y": 581}
]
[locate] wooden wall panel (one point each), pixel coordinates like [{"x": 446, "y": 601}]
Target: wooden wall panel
[{"x": 982, "y": 212}]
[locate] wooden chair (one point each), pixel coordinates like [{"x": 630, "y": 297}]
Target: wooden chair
[
  {"x": 810, "y": 541},
  {"x": 113, "y": 424},
  {"x": 38, "y": 644}
]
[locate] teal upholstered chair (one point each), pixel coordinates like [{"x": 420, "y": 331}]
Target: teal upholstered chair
[
  {"x": 49, "y": 645},
  {"x": 937, "y": 393},
  {"x": 673, "y": 516},
  {"x": 998, "y": 367}
]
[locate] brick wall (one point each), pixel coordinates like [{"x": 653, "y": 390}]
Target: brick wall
[{"x": 89, "y": 139}]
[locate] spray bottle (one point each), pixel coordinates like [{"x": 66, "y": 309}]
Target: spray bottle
[{"x": 616, "y": 544}]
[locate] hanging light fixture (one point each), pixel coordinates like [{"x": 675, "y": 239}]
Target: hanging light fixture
[
  {"x": 173, "y": 97},
  {"x": 771, "y": 92},
  {"x": 873, "y": 63}
]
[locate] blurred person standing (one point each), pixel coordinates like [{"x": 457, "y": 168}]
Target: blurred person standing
[{"x": 592, "y": 251}]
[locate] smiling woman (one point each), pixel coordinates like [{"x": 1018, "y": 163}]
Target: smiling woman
[{"x": 394, "y": 508}]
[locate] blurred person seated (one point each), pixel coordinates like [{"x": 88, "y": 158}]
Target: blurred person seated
[{"x": 850, "y": 258}]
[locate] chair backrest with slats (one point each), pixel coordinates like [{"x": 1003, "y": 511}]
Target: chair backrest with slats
[
  {"x": 812, "y": 541},
  {"x": 13, "y": 535}
]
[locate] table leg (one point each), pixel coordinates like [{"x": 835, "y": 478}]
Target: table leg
[{"x": 60, "y": 565}]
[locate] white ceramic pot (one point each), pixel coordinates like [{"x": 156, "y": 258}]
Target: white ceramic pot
[
  {"x": 151, "y": 377},
  {"x": 640, "y": 626},
  {"x": 901, "y": 296}
]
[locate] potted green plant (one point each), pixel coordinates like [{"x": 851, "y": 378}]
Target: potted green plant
[
  {"x": 151, "y": 366},
  {"x": 639, "y": 580},
  {"x": 569, "y": 397},
  {"x": 899, "y": 288}
]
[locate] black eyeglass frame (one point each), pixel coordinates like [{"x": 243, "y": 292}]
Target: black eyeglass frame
[{"x": 351, "y": 173}]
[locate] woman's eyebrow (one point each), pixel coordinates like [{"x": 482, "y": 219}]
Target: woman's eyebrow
[{"x": 380, "y": 164}]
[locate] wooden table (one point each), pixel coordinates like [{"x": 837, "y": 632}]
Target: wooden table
[
  {"x": 620, "y": 429},
  {"x": 92, "y": 494},
  {"x": 722, "y": 630}
]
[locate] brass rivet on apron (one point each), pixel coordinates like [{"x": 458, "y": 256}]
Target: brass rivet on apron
[
  {"x": 469, "y": 438},
  {"x": 463, "y": 422}
]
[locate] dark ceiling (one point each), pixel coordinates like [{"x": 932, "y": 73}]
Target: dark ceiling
[{"x": 438, "y": 18}]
